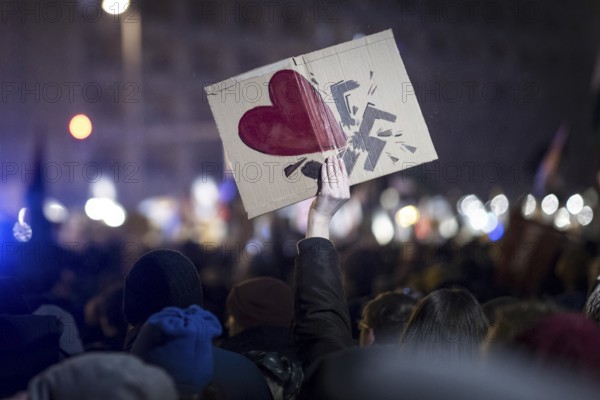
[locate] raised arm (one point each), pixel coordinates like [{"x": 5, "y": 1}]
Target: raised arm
[{"x": 322, "y": 322}]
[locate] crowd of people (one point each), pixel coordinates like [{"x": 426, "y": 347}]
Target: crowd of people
[{"x": 339, "y": 324}]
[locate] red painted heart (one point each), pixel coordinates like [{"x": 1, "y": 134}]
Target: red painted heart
[{"x": 299, "y": 122}]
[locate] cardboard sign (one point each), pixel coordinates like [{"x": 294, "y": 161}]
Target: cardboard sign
[{"x": 278, "y": 123}]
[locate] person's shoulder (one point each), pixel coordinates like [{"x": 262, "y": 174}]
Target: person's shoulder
[{"x": 237, "y": 376}]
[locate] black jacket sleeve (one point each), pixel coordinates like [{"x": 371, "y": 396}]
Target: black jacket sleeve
[{"x": 322, "y": 321}]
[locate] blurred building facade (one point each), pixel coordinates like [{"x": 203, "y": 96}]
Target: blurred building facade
[{"x": 494, "y": 79}]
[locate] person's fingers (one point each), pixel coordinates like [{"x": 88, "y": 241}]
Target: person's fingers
[
  {"x": 326, "y": 178},
  {"x": 334, "y": 179},
  {"x": 344, "y": 180},
  {"x": 337, "y": 172},
  {"x": 330, "y": 172},
  {"x": 324, "y": 171},
  {"x": 342, "y": 165}
]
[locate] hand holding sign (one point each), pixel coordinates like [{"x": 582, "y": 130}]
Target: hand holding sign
[{"x": 334, "y": 191}]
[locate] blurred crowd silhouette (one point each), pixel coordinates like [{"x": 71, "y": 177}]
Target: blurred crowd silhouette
[{"x": 354, "y": 320}]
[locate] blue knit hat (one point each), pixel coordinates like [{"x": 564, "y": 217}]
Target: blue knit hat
[{"x": 180, "y": 341}]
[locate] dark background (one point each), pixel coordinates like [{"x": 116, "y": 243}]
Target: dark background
[{"x": 495, "y": 80}]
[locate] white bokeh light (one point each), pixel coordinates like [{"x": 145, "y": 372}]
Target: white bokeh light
[
  {"x": 491, "y": 223},
  {"x": 575, "y": 204},
  {"x": 499, "y": 204},
  {"x": 389, "y": 198},
  {"x": 469, "y": 204},
  {"x": 586, "y": 216},
  {"x": 206, "y": 197},
  {"x": 115, "y": 7},
  {"x": 448, "y": 228},
  {"x": 562, "y": 219},
  {"x": 22, "y": 231},
  {"x": 478, "y": 219},
  {"x": 407, "y": 216},
  {"x": 206, "y": 192},
  {"x": 529, "y": 205},
  {"x": 115, "y": 215},
  {"x": 55, "y": 211},
  {"x": 21, "y": 215},
  {"x": 550, "y": 204},
  {"x": 94, "y": 208},
  {"x": 382, "y": 228},
  {"x": 102, "y": 209}
]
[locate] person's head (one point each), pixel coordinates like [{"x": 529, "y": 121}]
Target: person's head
[
  {"x": 180, "y": 341},
  {"x": 159, "y": 279},
  {"x": 102, "y": 376},
  {"x": 491, "y": 307},
  {"x": 511, "y": 320},
  {"x": 384, "y": 318},
  {"x": 259, "y": 301},
  {"x": 566, "y": 340},
  {"x": 446, "y": 323}
]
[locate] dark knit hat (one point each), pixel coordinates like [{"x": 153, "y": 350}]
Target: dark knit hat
[
  {"x": 261, "y": 301},
  {"x": 159, "y": 279}
]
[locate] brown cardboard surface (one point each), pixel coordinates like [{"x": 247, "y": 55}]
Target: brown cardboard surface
[{"x": 278, "y": 122}]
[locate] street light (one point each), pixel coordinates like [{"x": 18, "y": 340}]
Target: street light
[{"x": 115, "y": 7}]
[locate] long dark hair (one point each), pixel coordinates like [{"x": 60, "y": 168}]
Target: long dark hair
[{"x": 447, "y": 323}]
